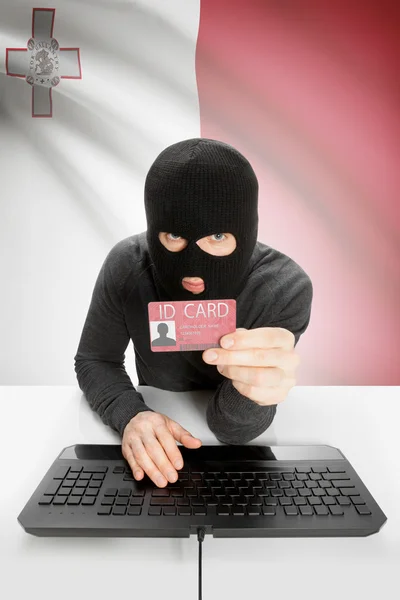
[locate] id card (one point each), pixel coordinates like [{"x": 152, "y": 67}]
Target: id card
[{"x": 190, "y": 324}]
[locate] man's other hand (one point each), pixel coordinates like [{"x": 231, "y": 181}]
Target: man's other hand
[{"x": 149, "y": 445}]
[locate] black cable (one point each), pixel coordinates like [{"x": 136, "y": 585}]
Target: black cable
[{"x": 200, "y": 536}]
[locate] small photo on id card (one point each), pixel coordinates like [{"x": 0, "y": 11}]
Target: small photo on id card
[{"x": 190, "y": 324}]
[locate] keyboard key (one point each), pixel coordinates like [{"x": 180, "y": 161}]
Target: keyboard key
[
  {"x": 199, "y": 510},
  {"x": 297, "y": 484},
  {"x": 302, "y": 476},
  {"x": 270, "y": 501},
  {"x": 169, "y": 511},
  {"x": 260, "y": 476},
  {"x": 87, "y": 501},
  {"x": 285, "y": 501},
  {"x": 275, "y": 477},
  {"x": 105, "y": 501},
  {"x": 329, "y": 500},
  {"x": 324, "y": 484},
  {"x": 290, "y": 492},
  {"x": 303, "y": 469},
  {"x": 136, "y": 501},
  {"x": 91, "y": 492},
  {"x": 306, "y": 510},
  {"x": 279, "y": 492},
  {"x": 212, "y": 501},
  {"x": 256, "y": 501},
  {"x": 312, "y": 484},
  {"x": 61, "y": 473},
  {"x": 46, "y": 500},
  {"x": 344, "y": 500},
  {"x": 247, "y": 476},
  {"x": 305, "y": 492},
  {"x": 253, "y": 511},
  {"x": 291, "y": 510},
  {"x": 314, "y": 500},
  {"x": 160, "y": 492},
  {"x": 104, "y": 510},
  {"x": 315, "y": 476},
  {"x": 96, "y": 476},
  {"x": 337, "y": 469},
  {"x": 184, "y": 511},
  {"x": 52, "y": 488},
  {"x": 284, "y": 485},
  {"x": 238, "y": 510},
  {"x": 332, "y": 492},
  {"x": 343, "y": 483},
  {"x": 162, "y": 502},
  {"x": 196, "y": 477},
  {"x": 336, "y": 510},
  {"x": 223, "y": 510},
  {"x": 197, "y": 502},
  {"x": 125, "y": 492},
  {"x": 288, "y": 476},
  {"x": 318, "y": 492},
  {"x": 95, "y": 469},
  {"x": 349, "y": 491},
  {"x": 137, "y": 492},
  {"x": 121, "y": 501},
  {"x": 73, "y": 501},
  {"x": 319, "y": 469},
  {"x": 64, "y": 491},
  {"x": 81, "y": 484},
  {"x": 363, "y": 510},
  {"x": 321, "y": 510},
  {"x": 300, "y": 501},
  {"x": 183, "y": 502},
  {"x": 154, "y": 511},
  {"x": 268, "y": 511},
  {"x": 95, "y": 484},
  {"x": 134, "y": 511},
  {"x": 59, "y": 500},
  {"x": 119, "y": 470},
  {"x": 356, "y": 499},
  {"x": 111, "y": 492},
  {"x": 334, "y": 476}
]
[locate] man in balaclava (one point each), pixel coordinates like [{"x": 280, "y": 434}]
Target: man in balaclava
[{"x": 196, "y": 188}]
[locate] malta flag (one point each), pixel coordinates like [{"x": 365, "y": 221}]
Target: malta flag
[{"x": 308, "y": 91}]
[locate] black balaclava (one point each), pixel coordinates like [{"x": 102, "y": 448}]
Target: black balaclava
[{"x": 196, "y": 188}]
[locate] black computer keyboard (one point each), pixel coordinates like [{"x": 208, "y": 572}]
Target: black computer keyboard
[
  {"x": 229, "y": 491},
  {"x": 298, "y": 491}
]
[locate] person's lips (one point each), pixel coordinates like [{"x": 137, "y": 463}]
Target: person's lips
[{"x": 193, "y": 285}]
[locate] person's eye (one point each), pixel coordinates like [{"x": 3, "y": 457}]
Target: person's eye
[
  {"x": 220, "y": 240},
  {"x": 173, "y": 240}
]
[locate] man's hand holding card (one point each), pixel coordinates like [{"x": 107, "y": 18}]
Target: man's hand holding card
[{"x": 261, "y": 362}]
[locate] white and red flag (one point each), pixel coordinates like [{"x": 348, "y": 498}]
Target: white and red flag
[{"x": 92, "y": 90}]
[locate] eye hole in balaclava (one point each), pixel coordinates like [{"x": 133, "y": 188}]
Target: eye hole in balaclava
[{"x": 196, "y": 188}]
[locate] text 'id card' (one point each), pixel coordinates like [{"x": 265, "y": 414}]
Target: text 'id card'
[{"x": 190, "y": 325}]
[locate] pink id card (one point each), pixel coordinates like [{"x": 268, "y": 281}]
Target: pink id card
[{"x": 190, "y": 324}]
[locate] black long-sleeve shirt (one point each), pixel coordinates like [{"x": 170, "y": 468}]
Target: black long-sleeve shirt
[{"x": 278, "y": 293}]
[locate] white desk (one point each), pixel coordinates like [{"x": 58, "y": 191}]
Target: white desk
[{"x": 362, "y": 422}]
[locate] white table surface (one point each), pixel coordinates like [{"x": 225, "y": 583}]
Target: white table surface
[{"x": 363, "y": 422}]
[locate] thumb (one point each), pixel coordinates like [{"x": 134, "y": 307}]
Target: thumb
[{"x": 183, "y": 436}]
